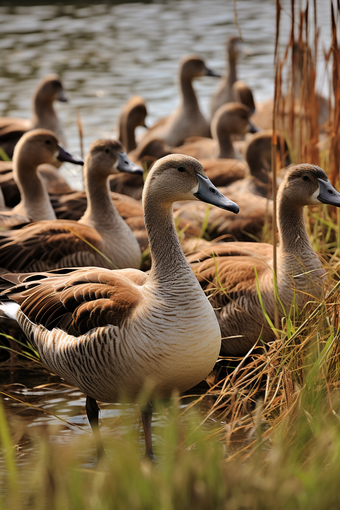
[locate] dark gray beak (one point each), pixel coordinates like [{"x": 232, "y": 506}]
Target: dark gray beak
[
  {"x": 66, "y": 156},
  {"x": 252, "y": 128},
  {"x": 328, "y": 195},
  {"x": 209, "y": 72},
  {"x": 126, "y": 165},
  {"x": 208, "y": 193}
]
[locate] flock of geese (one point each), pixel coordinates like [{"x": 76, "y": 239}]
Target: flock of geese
[{"x": 70, "y": 261}]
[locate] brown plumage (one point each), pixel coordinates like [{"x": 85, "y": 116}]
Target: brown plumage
[
  {"x": 300, "y": 275},
  {"x": 255, "y": 213},
  {"x": 187, "y": 120},
  {"x": 258, "y": 154},
  {"x": 230, "y": 119},
  {"x": 145, "y": 154},
  {"x": 35, "y": 148},
  {"x": 65, "y": 243},
  {"x": 112, "y": 333},
  {"x": 54, "y": 183},
  {"x": 251, "y": 193},
  {"x": 7, "y": 218},
  {"x": 224, "y": 92},
  {"x": 73, "y": 206},
  {"x": 241, "y": 93},
  {"x": 49, "y": 89},
  {"x": 132, "y": 115}
]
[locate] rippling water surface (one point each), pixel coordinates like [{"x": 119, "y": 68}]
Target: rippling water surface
[{"x": 105, "y": 53}]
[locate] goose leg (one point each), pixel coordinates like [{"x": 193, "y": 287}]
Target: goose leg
[
  {"x": 146, "y": 412},
  {"x": 92, "y": 411}
]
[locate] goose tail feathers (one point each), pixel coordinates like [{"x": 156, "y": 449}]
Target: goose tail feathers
[{"x": 9, "y": 310}]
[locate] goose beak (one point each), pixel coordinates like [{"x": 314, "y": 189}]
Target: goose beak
[
  {"x": 252, "y": 128},
  {"x": 208, "y": 193},
  {"x": 328, "y": 195},
  {"x": 62, "y": 97},
  {"x": 66, "y": 156},
  {"x": 209, "y": 72},
  {"x": 126, "y": 165}
]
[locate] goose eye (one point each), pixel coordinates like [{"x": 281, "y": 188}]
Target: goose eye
[
  {"x": 181, "y": 169},
  {"x": 48, "y": 142},
  {"x": 305, "y": 178},
  {"x": 107, "y": 151}
]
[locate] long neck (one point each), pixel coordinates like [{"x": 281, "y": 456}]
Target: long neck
[
  {"x": 295, "y": 246},
  {"x": 259, "y": 171},
  {"x": 189, "y": 99},
  {"x": 169, "y": 264},
  {"x": 127, "y": 133},
  {"x": 231, "y": 55},
  {"x": 44, "y": 114},
  {"x": 226, "y": 148},
  {"x": 100, "y": 213},
  {"x": 299, "y": 267},
  {"x": 35, "y": 201}
]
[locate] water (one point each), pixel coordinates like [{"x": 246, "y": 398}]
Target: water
[{"x": 105, "y": 53}]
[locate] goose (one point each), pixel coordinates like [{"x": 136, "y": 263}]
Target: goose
[
  {"x": 73, "y": 206},
  {"x": 256, "y": 213},
  {"x": 224, "y": 93},
  {"x": 254, "y": 175},
  {"x": 115, "y": 333},
  {"x": 50, "y": 89},
  {"x": 230, "y": 119},
  {"x": 7, "y": 218},
  {"x": 299, "y": 271},
  {"x": 258, "y": 155},
  {"x": 221, "y": 172},
  {"x": 33, "y": 149},
  {"x": 132, "y": 115},
  {"x": 187, "y": 120},
  {"x": 45, "y": 245},
  {"x": 147, "y": 152},
  {"x": 52, "y": 181},
  {"x": 241, "y": 93}
]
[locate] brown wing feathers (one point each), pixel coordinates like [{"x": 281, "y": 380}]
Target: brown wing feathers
[
  {"x": 75, "y": 302},
  {"x": 32, "y": 244},
  {"x": 225, "y": 278}
]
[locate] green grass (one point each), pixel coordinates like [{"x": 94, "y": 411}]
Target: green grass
[{"x": 293, "y": 465}]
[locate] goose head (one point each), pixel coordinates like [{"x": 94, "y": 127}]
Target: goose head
[
  {"x": 177, "y": 177},
  {"x": 50, "y": 89},
  {"x": 108, "y": 157},
  {"x": 234, "y": 46},
  {"x": 243, "y": 94},
  {"x": 135, "y": 112},
  {"x": 41, "y": 146},
  {"x": 308, "y": 184},
  {"x": 258, "y": 153},
  {"x": 231, "y": 118},
  {"x": 193, "y": 66}
]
